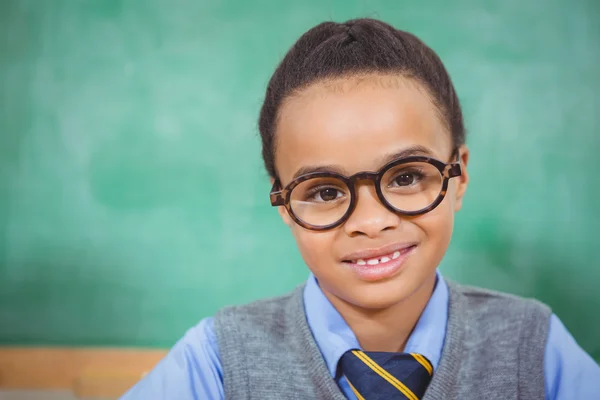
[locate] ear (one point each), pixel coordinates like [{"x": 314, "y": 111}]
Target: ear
[
  {"x": 283, "y": 213},
  {"x": 285, "y": 216},
  {"x": 462, "y": 181}
]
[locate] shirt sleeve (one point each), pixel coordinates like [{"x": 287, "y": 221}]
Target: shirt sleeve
[
  {"x": 571, "y": 373},
  {"x": 190, "y": 370}
]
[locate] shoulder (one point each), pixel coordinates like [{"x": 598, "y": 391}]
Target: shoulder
[
  {"x": 267, "y": 322},
  {"x": 260, "y": 339},
  {"x": 198, "y": 347},
  {"x": 202, "y": 334},
  {"x": 488, "y": 315},
  {"x": 263, "y": 312},
  {"x": 493, "y": 303},
  {"x": 501, "y": 329},
  {"x": 570, "y": 371},
  {"x": 191, "y": 369}
]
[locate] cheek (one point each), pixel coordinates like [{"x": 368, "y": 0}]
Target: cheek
[
  {"x": 437, "y": 227},
  {"x": 315, "y": 247}
]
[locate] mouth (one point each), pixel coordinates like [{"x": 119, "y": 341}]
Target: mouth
[
  {"x": 378, "y": 255},
  {"x": 373, "y": 265},
  {"x": 375, "y": 260}
]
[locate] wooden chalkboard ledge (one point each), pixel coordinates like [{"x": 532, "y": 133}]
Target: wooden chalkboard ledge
[{"x": 88, "y": 372}]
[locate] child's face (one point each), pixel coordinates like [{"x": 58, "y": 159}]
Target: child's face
[{"x": 353, "y": 124}]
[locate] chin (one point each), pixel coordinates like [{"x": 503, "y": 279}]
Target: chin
[
  {"x": 381, "y": 295},
  {"x": 373, "y": 295},
  {"x": 378, "y": 302},
  {"x": 387, "y": 293}
]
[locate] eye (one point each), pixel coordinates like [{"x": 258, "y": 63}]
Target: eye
[
  {"x": 326, "y": 194},
  {"x": 404, "y": 180},
  {"x": 320, "y": 191},
  {"x": 407, "y": 178}
]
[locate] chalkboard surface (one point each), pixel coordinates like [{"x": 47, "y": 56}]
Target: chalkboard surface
[{"x": 133, "y": 201}]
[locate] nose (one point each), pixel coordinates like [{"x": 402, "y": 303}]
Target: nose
[{"x": 370, "y": 217}]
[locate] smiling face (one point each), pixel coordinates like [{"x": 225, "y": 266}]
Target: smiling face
[{"x": 377, "y": 258}]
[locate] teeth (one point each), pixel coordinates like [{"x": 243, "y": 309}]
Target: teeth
[{"x": 375, "y": 261}]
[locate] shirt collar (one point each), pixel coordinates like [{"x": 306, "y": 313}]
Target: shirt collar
[{"x": 334, "y": 337}]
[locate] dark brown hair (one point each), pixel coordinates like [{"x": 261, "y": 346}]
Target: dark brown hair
[{"x": 331, "y": 50}]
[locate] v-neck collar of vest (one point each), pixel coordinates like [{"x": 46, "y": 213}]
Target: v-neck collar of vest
[{"x": 443, "y": 384}]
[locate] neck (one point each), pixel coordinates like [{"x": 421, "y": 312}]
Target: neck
[{"x": 387, "y": 329}]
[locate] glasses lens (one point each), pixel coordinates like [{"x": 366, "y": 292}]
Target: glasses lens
[
  {"x": 320, "y": 201},
  {"x": 412, "y": 186}
]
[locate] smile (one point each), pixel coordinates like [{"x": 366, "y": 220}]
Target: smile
[
  {"x": 377, "y": 260},
  {"x": 379, "y": 266}
]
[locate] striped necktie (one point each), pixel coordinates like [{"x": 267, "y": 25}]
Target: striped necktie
[{"x": 380, "y": 375}]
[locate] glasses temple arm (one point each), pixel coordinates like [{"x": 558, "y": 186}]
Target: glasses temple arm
[{"x": 276, "y": 195}]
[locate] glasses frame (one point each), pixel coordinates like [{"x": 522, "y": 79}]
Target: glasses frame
[{"x": 281, "y": 197}]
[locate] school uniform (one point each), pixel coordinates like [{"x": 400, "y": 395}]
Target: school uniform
[{"x": 480, "y": 343}]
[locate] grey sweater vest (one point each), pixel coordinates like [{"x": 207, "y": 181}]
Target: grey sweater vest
[{"x": 494, "y": 349}]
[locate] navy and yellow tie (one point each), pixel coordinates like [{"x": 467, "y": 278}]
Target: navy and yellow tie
[{"x": 379, "y": 375}]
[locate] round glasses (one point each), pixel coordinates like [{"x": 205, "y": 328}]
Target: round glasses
[{"x": 324, "y": 200}]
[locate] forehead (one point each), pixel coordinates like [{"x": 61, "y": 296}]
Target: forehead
[{"x": 352, "y": 122}]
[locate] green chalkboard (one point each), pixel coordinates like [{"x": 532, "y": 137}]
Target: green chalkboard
[{"x": 133, "y": 201}]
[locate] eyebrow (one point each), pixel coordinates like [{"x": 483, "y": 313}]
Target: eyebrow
[{"x": 416, "y": 150}]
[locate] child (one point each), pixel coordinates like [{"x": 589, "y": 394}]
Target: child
[{"x": 363, "y": 138}]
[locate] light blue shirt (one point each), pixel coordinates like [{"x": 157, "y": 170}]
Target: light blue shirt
[{"x": 192, "y": 368}]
